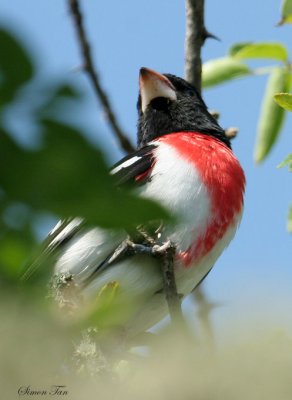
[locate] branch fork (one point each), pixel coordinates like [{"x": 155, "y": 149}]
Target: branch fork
[{"x": 166, "y": 254}]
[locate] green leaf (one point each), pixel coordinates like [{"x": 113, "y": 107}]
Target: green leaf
[
  {"x": 271, "y": 116},
  {"x": 68, "y": 177},
  {"x": 234, "y": 49},
  {"x": 275, "y": 51},
  {"x": 286, "y": 12},
  {"x": 284, "y": 100},
  {"x": 16, "y": 67},
  {"x": 223, "y": 69},
  {"x": 289, "y": 222},
  {"x": 287, "y": 161}
]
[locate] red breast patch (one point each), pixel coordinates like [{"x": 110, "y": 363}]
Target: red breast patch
[{"x": 224, "y": 179}]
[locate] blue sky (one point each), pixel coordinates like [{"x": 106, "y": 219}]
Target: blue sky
[{"x": 253, "y": 277}]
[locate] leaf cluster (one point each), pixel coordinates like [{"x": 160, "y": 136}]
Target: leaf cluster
[{"x": 234, "y": 65}]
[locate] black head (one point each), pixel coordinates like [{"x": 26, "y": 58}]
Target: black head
[{"x": 169, "y": 104}]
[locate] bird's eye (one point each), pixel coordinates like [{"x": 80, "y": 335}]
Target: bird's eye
[
  {"x": 190, "y": 92},
  {"x": 160, "y": 103}
]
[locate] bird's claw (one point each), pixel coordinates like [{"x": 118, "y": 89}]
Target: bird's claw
[
  {"x": 161, "y": 249},
  {"x": 156, "y": 250}
]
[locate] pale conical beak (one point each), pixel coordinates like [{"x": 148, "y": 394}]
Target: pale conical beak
[{"x": 152, "y": 85}]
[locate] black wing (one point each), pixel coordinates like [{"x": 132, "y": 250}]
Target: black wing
[{"x": 134, "y": 167}]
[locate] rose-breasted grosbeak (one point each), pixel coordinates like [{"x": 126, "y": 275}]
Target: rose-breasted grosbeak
[{"x": 185, "y": 162}]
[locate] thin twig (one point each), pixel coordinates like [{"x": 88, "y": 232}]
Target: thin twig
[{"x": 94, "y": 77}]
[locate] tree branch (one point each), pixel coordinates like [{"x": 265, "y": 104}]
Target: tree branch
[
  {"x": 195, "y": 37},
  {"x": 196, "y": 34},
  {"x": 172, "y": 297},
  {"x": 88, "y": 65}
]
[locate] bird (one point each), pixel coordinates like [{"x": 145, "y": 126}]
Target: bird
[{"x": 183, "y": 161}]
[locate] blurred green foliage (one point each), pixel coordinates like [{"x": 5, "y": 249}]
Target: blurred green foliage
[
  {"x": 271, "y": 117},
  {"x": 284, "y": 100},
  {"x": 268, "y": 50},
  {"x": 286, "y": 12},
  {"x": 234, "y": 65},
  {"x": 221, "y": 70},
  {"x": 60, "y": 173},
  {"x": 16, "y": 67},
  {"x": 287, "y": 162}
]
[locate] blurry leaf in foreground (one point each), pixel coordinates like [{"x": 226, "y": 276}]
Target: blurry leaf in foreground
[
  {"x": 16, "y": 67},
  {"x": 284, "y": 100},
  {"x": 68, "y": 177},
  {"x": 275, "y": 51},
  {"x": 289, "y": 222},
  {"x": 14, "y": 249},
  {"x": 221, "y": 70},
  {"x": 286, "y": 12},
  {"x": 287, "y": 161},
  {"x": 271, "y": 116}
]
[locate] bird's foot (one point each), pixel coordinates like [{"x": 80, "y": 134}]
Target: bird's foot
[
  {"x": 158, "y": 250},
  {"x": 155, "y": 250}
]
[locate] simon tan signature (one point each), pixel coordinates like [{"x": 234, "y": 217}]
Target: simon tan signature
[{"x": 54, "y": 390}]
